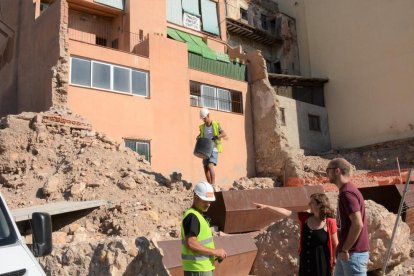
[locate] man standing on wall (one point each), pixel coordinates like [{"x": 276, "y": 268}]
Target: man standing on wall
[
  {"x": 212, "y": 130},
  {"x": 353, "y": 249},
  {"x": 197, "y": 245}
]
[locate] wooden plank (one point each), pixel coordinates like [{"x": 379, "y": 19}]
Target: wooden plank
[{"x": 56, "y": 208}]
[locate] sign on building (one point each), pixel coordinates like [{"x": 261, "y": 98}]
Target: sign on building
[{"x": 191, "y": 21}]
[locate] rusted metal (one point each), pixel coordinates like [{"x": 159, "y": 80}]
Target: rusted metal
[
  {"x": 234, "y": 211},
  {"x": 389, "y": 196},
  {"x": 241, "y": 251}
]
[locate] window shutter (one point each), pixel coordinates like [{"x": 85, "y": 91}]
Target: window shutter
[
  {"x": 208, "y": 97},
  {"x": 174, "y": 12},
  {"x": 191, "y": 6},
  {"x": 209, "y": 17},
  {"x": 224, "y": 99},
  {"x": 119, "y": 4}
]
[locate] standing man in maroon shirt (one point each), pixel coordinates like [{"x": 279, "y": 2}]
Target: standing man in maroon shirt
[{"x": 353, "y": 249}]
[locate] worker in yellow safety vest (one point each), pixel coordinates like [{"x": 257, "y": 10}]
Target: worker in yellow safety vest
[
  {"x": 212, "y": 130},
  {"x": 198, "y": 253}
]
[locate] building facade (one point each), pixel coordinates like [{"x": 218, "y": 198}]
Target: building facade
[{"x": 140, "y": 71}]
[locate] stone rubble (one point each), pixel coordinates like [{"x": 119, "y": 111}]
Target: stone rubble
[{"x": 56, "y": 155}]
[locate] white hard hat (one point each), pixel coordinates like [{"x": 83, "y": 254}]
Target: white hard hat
[
  {"x": 204, "y": 191},
  {"x": 203, "y": 113}
]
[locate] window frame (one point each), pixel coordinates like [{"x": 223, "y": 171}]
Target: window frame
[
  {"x": 111, "y": 81},
  {"x": 142, "y": 142},
  {"x": 311, "y": 125},
  {"x": 196, "y": 96},
  {"x": 243, "y": 11}
]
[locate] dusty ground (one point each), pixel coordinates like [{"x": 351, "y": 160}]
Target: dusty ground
[{"x": 43, "y": 161}]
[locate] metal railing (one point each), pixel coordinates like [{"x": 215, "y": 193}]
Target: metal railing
[{"x": 100, "y": 31}]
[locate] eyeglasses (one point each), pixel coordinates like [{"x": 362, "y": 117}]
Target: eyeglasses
[{"x": 333, "y": 168}]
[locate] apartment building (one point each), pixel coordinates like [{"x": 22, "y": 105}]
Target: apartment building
[
  {"x": 302, "y": 115},
  {"x": 139, "y": 71}
]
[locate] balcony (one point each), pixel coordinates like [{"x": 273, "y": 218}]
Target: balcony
[
  {"x": 250, "y": 32},
  {"x": 103, "y": 31}
]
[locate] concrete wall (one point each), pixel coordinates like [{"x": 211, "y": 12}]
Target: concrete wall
[
  {"x": 297, "y": 125},
  {"x": 365, "y": 48}
]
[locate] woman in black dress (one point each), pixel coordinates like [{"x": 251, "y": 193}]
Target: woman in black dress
[{"x": 318, "y": 237}]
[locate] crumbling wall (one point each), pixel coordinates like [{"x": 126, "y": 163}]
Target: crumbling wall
[
  {"x": 279, "y": 25},
  {"x": 36, "y": 76},
  {"x": 9, "y": 22},
  {"x": 274, "y": 156},
  {"x": 43, "y": 63}
]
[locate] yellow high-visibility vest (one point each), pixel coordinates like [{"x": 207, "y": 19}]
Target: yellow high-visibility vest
[
  {"x": 193, "y": 261},
  {"x": 216, "y": 132}
]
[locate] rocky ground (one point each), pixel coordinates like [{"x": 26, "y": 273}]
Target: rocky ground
[{"x": 54, "y": 156}]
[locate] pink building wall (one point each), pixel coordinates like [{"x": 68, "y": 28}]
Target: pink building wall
[{"x": 166, "y": 117}]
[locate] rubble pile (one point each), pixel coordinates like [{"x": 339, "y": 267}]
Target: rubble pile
[
  {"x": 246, "y": 183},
  {"x": 56, "y": 156},
  {"x": 113, "y": 256},
  {"x": 278, "y": 244}
]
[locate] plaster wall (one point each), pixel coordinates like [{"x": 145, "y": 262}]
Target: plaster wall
[
  {"x": 30, "y": 74},
  {"x": 297, "y": 130},
  {"x": 166, "y": 117},
  {"x": 8, "y": 69},
  {"x": 40, "y": 51},
  {"x": 365, "y": 48}
]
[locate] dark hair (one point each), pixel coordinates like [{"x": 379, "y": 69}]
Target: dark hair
[
  {"x": 325, "y": 209},
  {"x": 343, "y": 165}
]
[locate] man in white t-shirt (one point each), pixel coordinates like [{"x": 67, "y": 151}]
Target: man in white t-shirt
[{"x": 212, "y": 130}]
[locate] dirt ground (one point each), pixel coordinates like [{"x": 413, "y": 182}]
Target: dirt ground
[{"x": 56, "y": 156}]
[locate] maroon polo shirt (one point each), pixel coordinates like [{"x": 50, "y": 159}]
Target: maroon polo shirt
[{"x": 350, "y": 200}]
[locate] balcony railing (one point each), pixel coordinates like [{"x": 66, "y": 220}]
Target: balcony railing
[{"x": 100, "y": 31}]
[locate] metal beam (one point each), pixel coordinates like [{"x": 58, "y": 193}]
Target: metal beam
[{"x": 56, "y": 208}]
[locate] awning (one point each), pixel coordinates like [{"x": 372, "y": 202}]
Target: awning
[{"x": 196, "y": 45}]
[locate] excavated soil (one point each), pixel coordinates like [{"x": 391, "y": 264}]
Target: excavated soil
[{"x": 56, "y": 155}]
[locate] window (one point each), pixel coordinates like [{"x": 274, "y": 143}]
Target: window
[
  {"x": 273, "y": 26},
  {"x": 110, "y": 77},
  {"x": 243, "y": 14},
  {"x": 142, "y": 147},
  {"x": 314, "y": 122},
  {"x": 309, "y": 94},
  {"x": 139, "y": 83},
  {"x": 101, "y": 75},
  {"x": 80, "y": 72},
  {"x": 122, "y": 79},
  {"x": 215, "y": 98},
  {"x": 195, "y": 14},
  {"x": 263, "y": 19},
  {"x": 100, "y": 41},
  {"x": 282, "y": 116}
]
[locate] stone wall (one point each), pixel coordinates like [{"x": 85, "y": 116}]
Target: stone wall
[{"x": 274, "y": 155}]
